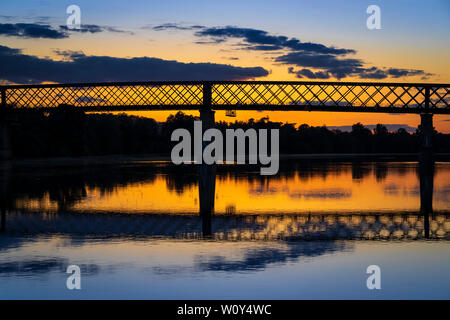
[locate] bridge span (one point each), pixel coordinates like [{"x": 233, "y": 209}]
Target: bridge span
[
  {"x": 207, "y": 96},
  {"x": 232, "y": 95}
]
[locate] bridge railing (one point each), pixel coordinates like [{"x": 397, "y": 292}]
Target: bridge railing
[{"x": 238, "y": 95}]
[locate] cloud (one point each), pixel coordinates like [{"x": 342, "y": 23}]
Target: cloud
[
  {"x": 87, "y": 99},
  {"x": 397, "y": 73},
  {"x": 327, "y": 63},
  {"x": 173, "y": 26},
  {"x": 31, "y": 30},
  {"x": 93, "y": 28},
  {"x": 212, "y": 41},
  {"x": 262, "y": 40},
  {"x": 36, "y": 30},
  {"x": 21, "y": 68},
  {"x": 69, "y": 54},
  {"x": 309, "y": 74},
  {"x": 330, "y": 65},
  {"x": 316, "y": 61}
]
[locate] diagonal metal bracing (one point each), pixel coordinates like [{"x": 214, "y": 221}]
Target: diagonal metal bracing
[{"x": 233, "y": 95}]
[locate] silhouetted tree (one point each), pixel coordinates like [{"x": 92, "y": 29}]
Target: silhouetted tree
[{"x": 70, "y": 132}]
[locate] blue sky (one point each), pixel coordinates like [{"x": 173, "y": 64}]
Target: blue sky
[{"x": 400, "y": 18}]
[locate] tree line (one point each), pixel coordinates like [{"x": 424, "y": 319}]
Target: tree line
[{"x": 74, "y": 133}]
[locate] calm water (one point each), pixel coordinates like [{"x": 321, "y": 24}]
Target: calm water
[{"x": 135, "y": 230}]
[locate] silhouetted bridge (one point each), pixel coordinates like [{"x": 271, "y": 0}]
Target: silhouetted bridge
[
  {"x": 423, "y": 99},
  {"x": 232, "y": 95}
]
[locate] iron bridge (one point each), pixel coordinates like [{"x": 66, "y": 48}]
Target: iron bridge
[{"x": 231, "y": 95}]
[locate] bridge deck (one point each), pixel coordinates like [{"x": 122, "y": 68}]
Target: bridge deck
[{"x": 232, "y": 95}]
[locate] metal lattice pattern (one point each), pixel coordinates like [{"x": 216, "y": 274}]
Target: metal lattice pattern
[
  {"x": 331, "y": 95},
  {"x": 440, "y": 97},
  {"x": 254, "y": 227},
  {"x": 105, "y": 96},
  {"x": 234, "y": 95}
]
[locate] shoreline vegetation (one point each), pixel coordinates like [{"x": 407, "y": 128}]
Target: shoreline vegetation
[
  {"x": 142, "y": 158},
  {"x": 76, "y": 134}
]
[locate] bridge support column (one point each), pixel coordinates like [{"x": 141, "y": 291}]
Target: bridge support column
[
  {"x": 426, "y": 170},
  {"x": 5, "y": 145},
  {"x": 5, "y": 180},
  {"x": 5, "y": 140},
  {"x": 3, "y": 219},
  {"x": 207, "y": 180},
  {"x": 426, "y": 173},
  {"x": 426, "y": 131}
]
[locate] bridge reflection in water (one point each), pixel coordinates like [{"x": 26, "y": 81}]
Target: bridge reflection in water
[
  {"x": 250, "y": 227},
  {"x": 367, "y": 224},
  {"x": 67, "y": 217}
]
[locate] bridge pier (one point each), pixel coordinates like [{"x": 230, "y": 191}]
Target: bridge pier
[
  {"x": 5, "y": 145},
  {"x": 5, "y": 140},
  {"x": 4, "y": 180},
  {"x": 3, "y": 218},
  {"x": 426, "y": 131},
  {"x": 426, "y": 170},
  {"x": 426, "y": 173},
  {"x": 207, "y": 180}
]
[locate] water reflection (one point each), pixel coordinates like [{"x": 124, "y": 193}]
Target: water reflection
[
  {"x": 300, "y": 187},
  {"x": 250, "y": 258},
  {"x": 171, "y": 221},
  {"x": 139, "y": 193},
  {"x": 259, "y": 258}
]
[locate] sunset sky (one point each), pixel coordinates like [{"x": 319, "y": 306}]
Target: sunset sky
[{"x": 233, "y": 40}]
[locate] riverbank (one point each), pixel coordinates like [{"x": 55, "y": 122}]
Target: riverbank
[{"x": 117, "y": 159}]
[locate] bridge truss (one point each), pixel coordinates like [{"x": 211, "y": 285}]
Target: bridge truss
[{"x": 231, "y": 95}]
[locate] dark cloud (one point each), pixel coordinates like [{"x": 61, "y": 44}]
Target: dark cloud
[
  {"x": 92, "y": 28},
  {"x": 69, "y": 54},
  {"x": 309, "y": 74},
  {"x": 397, "y": 73},
  {"x": 262, "y": 40},
  {"x": 173, "y": 26},
  {"x": 36, "y": 30},
  {"x": 316, "y": 61},
  {"x": 21, "y": 68},
  {"x": 87, "y": 99},
  {"x": 339, "y": 68},
  {"x": 330, "y": 65},
  {"x": 265, "y": 47},
  {"x": 31, "y": 30},
  {"x": 212, "y": 41}
]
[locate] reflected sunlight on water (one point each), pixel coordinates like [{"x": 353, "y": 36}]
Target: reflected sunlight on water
[{"x": 341, "y": 188}]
